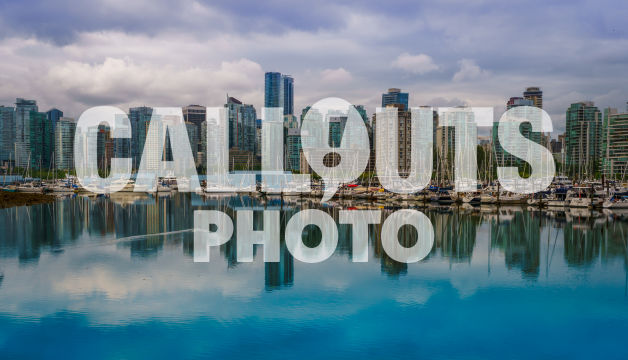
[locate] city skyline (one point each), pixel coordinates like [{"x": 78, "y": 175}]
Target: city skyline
[
  {"x": 590, "y": 146},
  {"x": 559, "y": 128},
  {"x": 347, "y": 179}
]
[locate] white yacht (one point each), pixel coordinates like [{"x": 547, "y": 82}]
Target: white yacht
[
  {"x": 616, "y": 202},
  {"x": 582, "y": 197},
  {"x": 30, "y": 188}
]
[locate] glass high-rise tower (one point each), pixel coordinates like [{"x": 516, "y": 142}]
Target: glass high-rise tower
[
  {"x": 279, "y": 92},
  {"x": 7, "y": 134},
  {"x": 394, "y": 96},
  {"x": 64, "y": 143},
  {"x": 23, "y": 113},
  {"x": 242, "y": 119},
  {"x": 288, "y": 94},
  {"x": 140, "y": 121},
  {"x": 583, "y": 139},
  {"x": 53, "y": 116}
]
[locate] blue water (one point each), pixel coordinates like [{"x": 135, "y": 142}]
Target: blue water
[{"x": 502, "y": 283}]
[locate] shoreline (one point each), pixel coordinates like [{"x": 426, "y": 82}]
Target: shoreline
[{"x": 14, "y": 199}]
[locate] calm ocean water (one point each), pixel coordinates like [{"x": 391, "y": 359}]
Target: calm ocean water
[{"x": 78, "y": 279}]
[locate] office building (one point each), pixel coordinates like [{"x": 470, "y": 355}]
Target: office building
[
  {"x": 139, "y": 118},
  {"x": 395, "y": 100},
  {"x": 64, "y": 143},
  {"x": 615, "y": 144},
  {"x": 7, "y": 135},
  {"x": 502, "y": 157},
  {"x": 193, "y": 138},
  {"x": 41, "y": 141},
  {"x": 23, "y": 110},
  {"x": 395, "y": 97},
  {"x": 201, "y": 159},
  {"x": 518, "y": 101},
  {"x": 279, "y": 91},
  {"x": 293, "y": 150},
  {"x": 362, "y": 111},
  {"x": 53, "y": 116},
  {"x": 535, "y": 95},
  {"x": 196, "y": 115},
  {"x": 583, "y": 139},
  {"x": 242, "y": 125},
  {"x": 258, "y": 139},
  {"x": 288, "y": 94}
]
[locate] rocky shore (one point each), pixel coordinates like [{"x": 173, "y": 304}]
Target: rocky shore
[{"x": 11, "y": 199}]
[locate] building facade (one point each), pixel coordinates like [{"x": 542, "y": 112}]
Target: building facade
[
  {"x": 7, "y": 135},
  {"x": 288, "y": 94},
  {"x": 140, "y": 120},
  {"x": 403, "y": 133},
  {"x": 279, "y": 91},
  {"x": 615, "y": 144},
  {"x": 195, "y": 114},
  {"x": 53, "y": 116},
  {"x": 201, "y": 160},
  {"x": 64, "y": 143},
  {"x": 293, "y": 150},
  {"x": 535, "y": 95},
  {"x": 583, "y": 139},
  {"x": 242, "y": 125},
  {"x": 395, "y": 97},
  {"x": 502, "y": 157},
  {"x": 23, "y": 113}
]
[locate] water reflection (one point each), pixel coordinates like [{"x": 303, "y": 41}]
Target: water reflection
[
  {"x": 114, "y": 274},
  {"x": 514, "y": 233}
]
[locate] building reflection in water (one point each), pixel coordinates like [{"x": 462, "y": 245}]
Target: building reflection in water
[
  {"x": 513, "y": 231},
  {"x": 517, "y": 235}
]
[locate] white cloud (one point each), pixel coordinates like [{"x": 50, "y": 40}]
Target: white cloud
[
  {"x": 469, "y": 70},
  {"x": 118, "y": 80},
  {"x": 339, "y": 75},
  {"x": 185, "y": 53},
  {"x": 415, "y": 64}
]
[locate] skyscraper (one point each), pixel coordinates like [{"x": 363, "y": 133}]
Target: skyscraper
[
  {"x": 23, "y": 110},
  {"x": 196, "y": 115},
  {"x": 293, "y": 150},
  {"x": 288, "y": 94},
  {"x": 201, "y": 160},
  {"x": 258, "y": 139},
  {"x": 395, "y": 97},
  {"x": 193, "y": 138},
  {"x": 583, "y": 139},
  {"x": 7, "y": 134},
  {"x": 615, "y": 144},
  {"x": 518, "y": 101},
  {"x": 444, "y": 146},
  {"x": 536, "y": 95},
  {"x": 502, "y": 157},
  {"x": 53, "y": 116},
  {"x": 279, "y": 91},
  {"x": 64, "y": 143},
  {"x": 272, "y": 89},
  {"x": 140, "y": 120},
  {"x": 41, "y": 141},
  {"x": 362, "y": 111},
  {"x": 242, "y": 118}
]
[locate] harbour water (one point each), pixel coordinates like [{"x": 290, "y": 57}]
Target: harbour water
[{"x": 115, "y": 278}]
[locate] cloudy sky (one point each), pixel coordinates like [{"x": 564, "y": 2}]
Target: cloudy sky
[{"x": 74, "y": 55}]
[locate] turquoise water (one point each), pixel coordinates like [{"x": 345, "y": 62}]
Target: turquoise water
[{"x": 79, "y": 280}]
